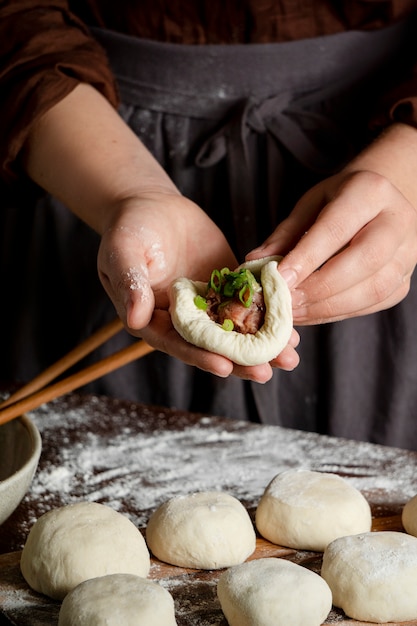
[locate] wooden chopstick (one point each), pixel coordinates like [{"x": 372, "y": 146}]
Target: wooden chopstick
[
  {"x": 87, "y": 375},
  {"x": 79, "y": 352}
]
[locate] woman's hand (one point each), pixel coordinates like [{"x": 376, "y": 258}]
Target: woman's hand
[
  {"x": 153, "y": 240},
  {"x": 351, "y": 241},
  {"x": 82, "y": 152}
]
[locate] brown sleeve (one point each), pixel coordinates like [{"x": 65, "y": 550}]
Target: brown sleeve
[{"x": 45, "y": 51}]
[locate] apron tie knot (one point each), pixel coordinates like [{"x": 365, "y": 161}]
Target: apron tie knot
[{"x": 313, "y": 139}]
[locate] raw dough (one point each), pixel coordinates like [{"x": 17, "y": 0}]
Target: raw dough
[
  {"x": 373, "y": 576},
  {"x": 118, "y": 600},
  {"x": 73, "y": 543},
  {"x": 273, "y": 592},
  {"x": 205, "y": 530},
  {"x": 306, "y": 510},
  {"x": 409, "y": 516},
  {"x": 195, "y": 326}
]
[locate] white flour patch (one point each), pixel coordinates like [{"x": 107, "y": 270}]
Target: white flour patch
[
  {"x": 135, "y": 471},
  {"x": 157, "y": 259},
  {"x": 134, "y": 457},
  {"x": 137, "y": 279}
]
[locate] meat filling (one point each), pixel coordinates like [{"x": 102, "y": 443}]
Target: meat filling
[
  {"x": 234, "y": 300},
  {"x": 244, "y": 319}
]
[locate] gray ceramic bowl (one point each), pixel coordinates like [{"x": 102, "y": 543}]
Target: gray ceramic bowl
[{"x": 20, "y": 449}]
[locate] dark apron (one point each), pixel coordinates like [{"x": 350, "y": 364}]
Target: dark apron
[{"x": 244, "y": 131}]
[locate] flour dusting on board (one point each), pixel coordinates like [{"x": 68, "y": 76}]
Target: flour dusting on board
[
  {"x": 133, "y": 458},
  {"x": 137, "y": 469}
]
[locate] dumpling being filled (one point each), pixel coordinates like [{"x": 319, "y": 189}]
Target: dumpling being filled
[{"x": 245, "y": 314}]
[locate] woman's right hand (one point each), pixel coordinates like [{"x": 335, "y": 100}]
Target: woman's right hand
[
  {"x": 83, "y": 153},
  {"x": 154, "y": 239}
]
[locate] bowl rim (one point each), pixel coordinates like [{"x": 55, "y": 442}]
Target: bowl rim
[{"x": 33, "y": 460}]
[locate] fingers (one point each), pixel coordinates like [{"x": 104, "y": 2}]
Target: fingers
[
  {"x": 288, "y": 360},
  {"x": 162, "y": 336},
  {"x": 372, "y": 273},
  {"x": 140, "y": 255},
  {"x": 358, "y": 200},
  {"x": 368, "y": 297},
  {"x": 358, "y": 254}
]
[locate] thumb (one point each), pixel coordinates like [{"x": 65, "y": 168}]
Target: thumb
[
  {"x": 131, "y": 293},
  {"x": 138, "y": 298}
]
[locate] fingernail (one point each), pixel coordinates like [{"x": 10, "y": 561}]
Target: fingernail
[
  {"x": 290, "y": 276},
  {"x": 300, "y": 313}
]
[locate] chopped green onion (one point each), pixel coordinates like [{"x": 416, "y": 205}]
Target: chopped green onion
[
  {"x": 201, "y": 303},
  {"x": 216, "y": 281},
  {"x": 227, "y": 325},
  {"x": 246, "y": 300},
  {"x": 240, "y": 284}
]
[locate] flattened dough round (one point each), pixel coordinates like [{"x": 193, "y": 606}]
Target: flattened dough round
[
  {"x": 73, "y": 543},
  {"x": 195, "y": 326},
  {"x": 373, "y": 576},
  {"x": 273, "y": 592},
  {"x": 204, "y": 530},
  {"x": 409, "y": 516},
  {"x": 307, "y": 510},
  {"x": 117, "y": 600}
]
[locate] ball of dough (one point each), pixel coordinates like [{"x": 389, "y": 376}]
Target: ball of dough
[
  {"x": 73, "y": 543},
  {"x": 117, "y": 600},
  {"x": 373, "y": 576},
  {"x": 273, "y": 592},
  {"x": 205, "y": 530},
  {"x": 307, "y": 510},
  {"x": 409, "y": 516}
]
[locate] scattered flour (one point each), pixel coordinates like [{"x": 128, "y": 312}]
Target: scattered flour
[
  {"x": 149, "y": 460},
  {"x": 133, "y": 458}
]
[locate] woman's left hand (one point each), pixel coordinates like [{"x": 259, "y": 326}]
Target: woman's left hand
[{"x": 351, "y": 241}]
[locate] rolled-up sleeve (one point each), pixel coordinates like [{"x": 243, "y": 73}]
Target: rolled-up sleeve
[{"x": 45, "y": 51}]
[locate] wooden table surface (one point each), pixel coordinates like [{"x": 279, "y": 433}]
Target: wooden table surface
[{"x": 134, "y": 457}]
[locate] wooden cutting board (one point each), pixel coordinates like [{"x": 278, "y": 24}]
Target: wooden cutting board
[
  {"x": 194, "y": 591},
  {"x": 132, "y": 456}
]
